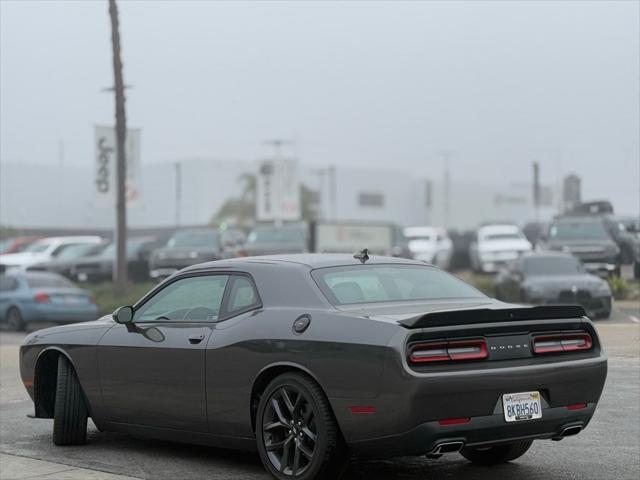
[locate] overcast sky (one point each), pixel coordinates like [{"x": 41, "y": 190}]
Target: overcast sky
[{"x": 499, "y": 84}]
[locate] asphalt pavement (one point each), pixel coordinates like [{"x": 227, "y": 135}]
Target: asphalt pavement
[{"x": 608, "y": 449}]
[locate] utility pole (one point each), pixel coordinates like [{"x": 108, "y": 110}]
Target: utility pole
[
  {"x": 120, "y": 270},
  {"x": 178, "y": 192},
  {"x": 536, "y": 190},
  {"x": 446, "y": 156}
]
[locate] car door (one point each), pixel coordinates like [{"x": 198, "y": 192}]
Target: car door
[{"x": 152, "y": 371}]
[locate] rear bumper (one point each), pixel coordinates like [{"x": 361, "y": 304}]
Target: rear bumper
[
  {"x": 409, "y": 406},
  {"x": 479, "y": 431}
]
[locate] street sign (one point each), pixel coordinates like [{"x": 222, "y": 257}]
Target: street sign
[{"x": 105, "y": 166}]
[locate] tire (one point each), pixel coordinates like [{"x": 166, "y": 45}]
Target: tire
[
  {"x": 15, "y": 320},
  {"x": 70, "y": 411},
  {"x": 294, "y": 453},
  {"x": 496, "y": 454}
]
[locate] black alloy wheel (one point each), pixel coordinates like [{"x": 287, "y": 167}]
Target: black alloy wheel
[
  {"x": 289, "y": 431},
  {"x": 297, "y": 434}
]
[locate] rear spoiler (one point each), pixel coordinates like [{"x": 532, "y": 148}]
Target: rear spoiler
[{"x": 488, "y": 315}]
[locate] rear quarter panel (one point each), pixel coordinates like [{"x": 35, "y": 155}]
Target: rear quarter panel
[{"x": 344, "y": 354}]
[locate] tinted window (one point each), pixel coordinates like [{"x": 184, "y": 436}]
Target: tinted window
[
  {"x": 242, "y": 295},
  {"x": 578, "y": 231},
  {"x": 8, "y": 284},
  {"x": 195, "y": 299},
  {"x": 37, "y": 247},
  {"x": 382, "y": 283},
  {"x": 552, "y": 266},
  {"x": 48, "y": 281},
  {"x": 205, "y": 238},
  {"x": 276, "y": 235}
]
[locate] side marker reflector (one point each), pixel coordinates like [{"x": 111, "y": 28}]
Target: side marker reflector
[{"x": 362, "y": 409}]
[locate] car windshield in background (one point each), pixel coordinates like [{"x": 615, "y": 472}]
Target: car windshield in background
[
  {"x": 76, "y": 251},
  {"x": 552, "y": 266},
  {"x": 389, "y": 283},
  {"x": 276, "y": 235},
  {"x": 194, "y": 239},
  {"x": 37, "y": 247},
  {"x": 48, "y": 281},
  {"x": 501, "y": 236},
  {"x": 578, "y": 231}
]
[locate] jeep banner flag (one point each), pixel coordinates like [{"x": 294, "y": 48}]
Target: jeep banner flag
[
  {"x": 278, "y": 191},
  {"x": 105, "y": 166}
]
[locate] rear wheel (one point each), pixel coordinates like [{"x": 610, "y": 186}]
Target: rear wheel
[
  {"x": 297, "y": 434},
  {"x": 15, "y": 320},
  {"x": 496, "y": 454},
  {"x": 70, "y": 411}
]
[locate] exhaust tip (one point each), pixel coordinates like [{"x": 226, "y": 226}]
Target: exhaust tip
[
  {"x": 447, "y": 447},
  {"x": 569, "y": 431}
]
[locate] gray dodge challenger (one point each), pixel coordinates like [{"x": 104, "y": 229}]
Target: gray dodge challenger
[{"x": 312, "y": 358}]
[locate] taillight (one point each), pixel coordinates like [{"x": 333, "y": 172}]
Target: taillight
[
  {"x": 42, "y": 298},
  {"x": 562, "y": 342},
  {"x": 444, "y": 351}
]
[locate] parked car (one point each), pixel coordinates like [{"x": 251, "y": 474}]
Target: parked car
[
  {"x": 44, "y": 250},
  {"x": 29, "y": 297},
  {"x": 309, "y": 358},
  {"x": 553, "y": 278},
  {"x": 272, "y": 239},
  {"x": 184, "y": 248},
  {"x": 16, "y": 244},
  {"x": 431, "y": 245},
  {"x": 496, "y": 245},
  {"x": 63, "y": 263},
  {"x": 100, "y": 267},
  {"x": 587, "y": 238}
]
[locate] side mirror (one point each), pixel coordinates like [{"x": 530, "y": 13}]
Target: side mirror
[{"x": 123, "y": 315}]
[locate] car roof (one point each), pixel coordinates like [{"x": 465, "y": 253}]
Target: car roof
[
  {"x": 32, "y": 274},
  {"x": 417, "y": 231},
  {"x": 76, "y": 238},
  {"x": 304, "y": 260}
]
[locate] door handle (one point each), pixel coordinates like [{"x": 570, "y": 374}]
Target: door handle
[{"x": 194, "y": 339}]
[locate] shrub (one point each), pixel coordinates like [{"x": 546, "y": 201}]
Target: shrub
[{"x": 619, "y": 287}]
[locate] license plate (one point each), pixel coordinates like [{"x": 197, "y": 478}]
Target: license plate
[{"x": 521, "y": 406}]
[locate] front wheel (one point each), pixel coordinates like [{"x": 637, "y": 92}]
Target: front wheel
[
  {"x": 297, "y": 434},
  {"x": 497, "y": 454},
  {"x": 70, "y": 411}
]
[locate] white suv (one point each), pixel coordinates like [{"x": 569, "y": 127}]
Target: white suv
[
  {"x": 496, "y": 245},
  {"x": 430, "y": 244}
]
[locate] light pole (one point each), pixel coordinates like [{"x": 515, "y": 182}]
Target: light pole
[{"x": 120, "y": 270}]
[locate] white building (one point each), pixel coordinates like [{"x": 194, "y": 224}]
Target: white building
[{"x": 47, "y": 196}]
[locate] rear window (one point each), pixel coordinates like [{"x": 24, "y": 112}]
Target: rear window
[
  {"x": 389, "y": 283},
  {"x": 48, "y": 281}
]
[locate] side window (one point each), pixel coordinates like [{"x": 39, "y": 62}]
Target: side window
[
  {"x": 242, "y": 295},
  {"x": 193, "y": 299},
  {"x": 8, "y": 284}
]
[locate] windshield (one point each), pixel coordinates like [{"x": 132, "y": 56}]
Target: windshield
[
  {"x": 389, "y": 283},
  {"x": 501, "y": 236},
  {"x": 194, "y": 239},
  {"x": 276, "y": 235},
  {"x": 552, "y": 266},
  {"x": 76, "y": 251},
  {"x": 48, "y": 281},
  {"x": 578, "y": 231},
  {"x": 37, "y": 247}
]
